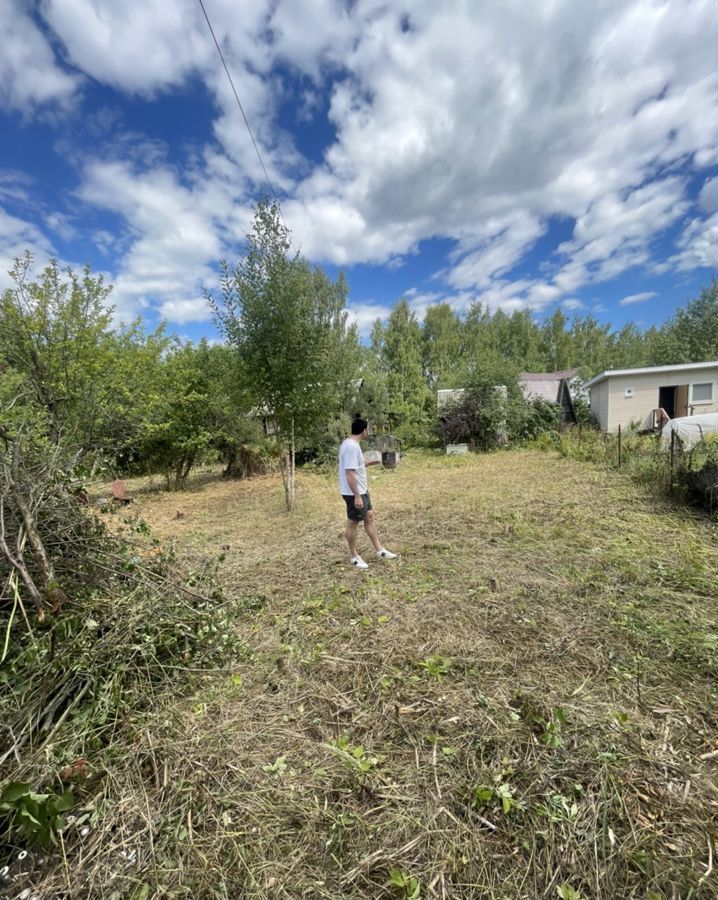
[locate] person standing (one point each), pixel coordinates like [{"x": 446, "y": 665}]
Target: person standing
[{"x": 353, "y": 488}]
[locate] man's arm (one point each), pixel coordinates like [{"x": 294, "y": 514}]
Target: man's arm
[{"x": 353, "y": 483}]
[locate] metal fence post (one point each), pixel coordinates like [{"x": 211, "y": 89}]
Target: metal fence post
[
  {"x": 673, "y": 456},
  {"x": 619, "y": 446}
]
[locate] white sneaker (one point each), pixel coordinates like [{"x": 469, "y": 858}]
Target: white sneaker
[
  {"x": 358, "y": 563},
  {"x": 385, "y": 554}
]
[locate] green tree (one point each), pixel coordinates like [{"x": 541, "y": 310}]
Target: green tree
[
  {"x": 442, "y": 334},
  {"x": 55, "y": 331},
  {"x": 91, "y": 381},
  {"x": 237, "y": 433},
  {"x": 479, "y": 353},
  {"x": 183, "y": 414},
  {"x": 289, "y": 324},
  {"x": 692, "y": 334},
  {"x": 556, "y": 343},
  {"x": 627, "y": 348},
  {"x": 591, "y": 346},
  {"x": 523, "y": 341},
  {"x": 400, "y": 356}
]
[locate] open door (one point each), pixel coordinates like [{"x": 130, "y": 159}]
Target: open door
[
  {"x": 667, "y": 400},
  {"x": 682, "y": 401}
]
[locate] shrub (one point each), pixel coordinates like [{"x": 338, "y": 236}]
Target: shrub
[
  {"x": 697, "y": 476},
  {"x": 477, "y": 419}
]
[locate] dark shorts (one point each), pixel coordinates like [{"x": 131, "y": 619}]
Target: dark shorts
[{"x": 357, "y": 515}]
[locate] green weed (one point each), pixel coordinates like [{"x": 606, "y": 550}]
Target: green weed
[{"x": 35, "y": 819}]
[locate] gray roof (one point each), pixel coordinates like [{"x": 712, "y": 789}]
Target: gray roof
[
  {"x": 650, "y": 370},
  {"x": 544, "y": 385}
]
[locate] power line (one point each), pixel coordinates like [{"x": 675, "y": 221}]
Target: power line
[{"x": 241, "y": 109}]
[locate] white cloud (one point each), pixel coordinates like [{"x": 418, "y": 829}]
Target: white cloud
[
  {"x": 29, "y": 74},
  {"x": 476, "y": 125},
  {"x": 698, "y": 245},
  {"x": 61, "y": 224},
  {"x": 708, "y": 197},
  {"x": 15, "y": 186},
  {"x": 363, "y": 315},
  {"x": 17, "y": 236},
  {"x": 507, "y": 241},
  {"x": 173, "y": 235},
  {"x": 637, "y": 298},
  {"x": 193, "y": 309},
  {"x": 138, "y": 48}
]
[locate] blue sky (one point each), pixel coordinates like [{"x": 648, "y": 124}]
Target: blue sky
[{"x": 540, "y": 155}]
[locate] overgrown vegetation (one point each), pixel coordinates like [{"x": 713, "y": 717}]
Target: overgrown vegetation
[
  {"x": 139, "y": 401},
  {"x": 688, "y": 475},
  {"x": 523, "y": 703},
  {"x": 117, "y": 626},
  {"x": 182, "y": 720}
]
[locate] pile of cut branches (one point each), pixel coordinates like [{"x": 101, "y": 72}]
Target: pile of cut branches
[{"x": 98, "y": 627}]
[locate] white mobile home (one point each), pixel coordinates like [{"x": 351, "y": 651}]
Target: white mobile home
[{"x": 625, "y": 396}]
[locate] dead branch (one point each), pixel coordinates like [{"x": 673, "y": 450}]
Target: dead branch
[{"x": 17, "y": 562}]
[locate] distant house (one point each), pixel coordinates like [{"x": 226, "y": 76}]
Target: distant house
[
  {"x": 623, "y": 396},
  {"x": 448, "y": 396},
  {"x": 554, "y": 387}
]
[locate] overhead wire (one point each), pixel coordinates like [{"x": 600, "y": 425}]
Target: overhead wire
[{"x": 241, "y": 109}]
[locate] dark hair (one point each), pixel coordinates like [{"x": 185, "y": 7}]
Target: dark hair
[{"x": 359, "y": 425}]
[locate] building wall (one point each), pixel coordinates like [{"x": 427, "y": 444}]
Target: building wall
[
  {"x": 613, "y": 408},
  {"x": 598, "y": 396}
]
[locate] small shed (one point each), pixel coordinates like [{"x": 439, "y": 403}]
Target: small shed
[
  {"x": 553, "y": 387},
  {"x": 623, "y": 396}
]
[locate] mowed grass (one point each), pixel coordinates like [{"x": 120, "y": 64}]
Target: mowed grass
[{"x": 517, "y": 707}]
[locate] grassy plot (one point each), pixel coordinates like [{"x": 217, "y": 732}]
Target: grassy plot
[{"x": 521, "y": 706}]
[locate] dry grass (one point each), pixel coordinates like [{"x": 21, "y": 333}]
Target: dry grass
[{"x": 547, "y": 635}]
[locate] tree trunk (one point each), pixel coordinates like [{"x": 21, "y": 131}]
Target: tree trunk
[
  {"x": 232, "y": 455},
  {"x": 292, "y": 470},
  {"x": 288, "y": 460}
]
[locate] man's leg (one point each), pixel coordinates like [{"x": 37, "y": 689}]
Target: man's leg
[
  {"x": 351, "y": 536},
  {"x": 370, "y": 529}
]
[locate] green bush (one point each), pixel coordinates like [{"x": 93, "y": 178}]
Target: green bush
[{"x": 697, "y": 476}]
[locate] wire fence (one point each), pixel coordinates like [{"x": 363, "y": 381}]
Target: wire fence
[{"x": 688, "y": 472}]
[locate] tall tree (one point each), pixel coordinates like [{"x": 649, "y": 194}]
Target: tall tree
[
  {"x": 289, "y": 323},
  {"x": 479, "y": 348},
  {"x": 556, "y": 343},
  {"x": 54, "y": 331},
  {"x": 590, "y": 346},
  {"x": 91, "y": 380},
  {"x": 400, "y": 353},
  {"x": 692, "y": 334},
  {"x": 442, "y": 340}
]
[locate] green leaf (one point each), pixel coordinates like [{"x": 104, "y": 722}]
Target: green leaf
[
  {"x": 484, "y": 794},
  {"x": 64, "y": 802},
  {"x": 26, "y": 817},
  {"x": 13, "y": 791},
  {"x": 396, "y": 877}
]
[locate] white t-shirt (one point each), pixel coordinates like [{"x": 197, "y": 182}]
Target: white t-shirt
[{"x": 351, "y": 457}]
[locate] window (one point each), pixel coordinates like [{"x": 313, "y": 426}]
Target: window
[{"x": 702, "y": 393}]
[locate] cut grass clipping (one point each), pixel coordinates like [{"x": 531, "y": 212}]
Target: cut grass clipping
[{"x": 523, "y": 705}]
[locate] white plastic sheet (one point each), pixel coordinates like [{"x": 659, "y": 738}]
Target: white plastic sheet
[{"x": 690, "y": 429}]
